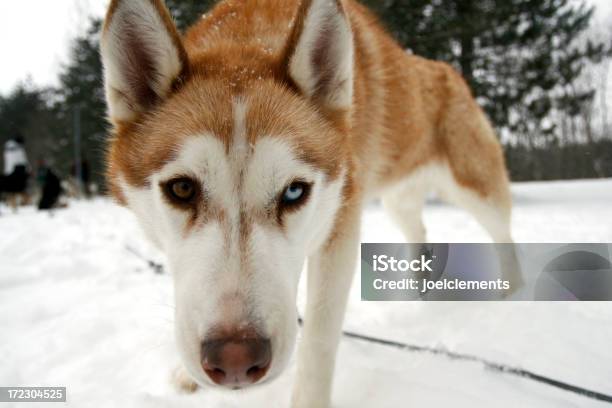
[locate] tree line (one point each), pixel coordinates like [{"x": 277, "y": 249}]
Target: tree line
[{"x": 533, "y": 65}]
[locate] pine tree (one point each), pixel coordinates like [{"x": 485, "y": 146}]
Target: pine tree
[
  {"x": 16, "y": 109},
  {"x": 81, "y": 95},
  {"x": 28, "y": 111},
  {"x": 186, "y": 12},
  {"x": 520, "y": 57}
]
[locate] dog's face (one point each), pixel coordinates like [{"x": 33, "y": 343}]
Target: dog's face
[
  {"x": 236, "y": 177},
  {"x": 236, "y": 208}
]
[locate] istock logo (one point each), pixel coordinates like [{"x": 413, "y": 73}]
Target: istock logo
[{"x": 384, "y": 263}]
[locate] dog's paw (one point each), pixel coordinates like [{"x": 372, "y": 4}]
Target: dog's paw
[
  {"x": 309, "y": 401},
  {"x": 310, "y": 404},
  {"x": 183, "y": 381}
]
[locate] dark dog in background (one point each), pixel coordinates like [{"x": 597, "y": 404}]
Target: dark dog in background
[{"x": 51, "y": 188}]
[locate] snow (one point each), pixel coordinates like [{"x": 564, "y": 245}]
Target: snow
[{"x": 78, "y": 309}]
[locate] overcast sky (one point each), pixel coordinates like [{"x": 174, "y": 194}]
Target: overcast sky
[{"x": 35, "y": 36}]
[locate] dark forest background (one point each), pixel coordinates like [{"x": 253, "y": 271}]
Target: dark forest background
[{"x": 538, "y": 68}]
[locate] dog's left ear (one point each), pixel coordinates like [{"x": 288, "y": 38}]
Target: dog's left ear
[
  {"x": 143, "y": 56},
  {"x": 319, "y": 54}
]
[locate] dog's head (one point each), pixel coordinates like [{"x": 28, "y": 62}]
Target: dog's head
[{"x": 233, "y": 158}]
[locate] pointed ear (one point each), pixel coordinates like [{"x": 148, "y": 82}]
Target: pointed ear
[
  {"x": 320, "y": 53},
  {"x": 142, "y": 56}
]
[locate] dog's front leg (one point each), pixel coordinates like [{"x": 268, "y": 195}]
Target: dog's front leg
[{"x": 330, "y": 273}]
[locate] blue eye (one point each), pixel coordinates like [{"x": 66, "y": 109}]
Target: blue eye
[{"x": 295, "y": 193}]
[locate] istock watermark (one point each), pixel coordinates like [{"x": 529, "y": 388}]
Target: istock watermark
[
  {"x": 386, "y": 263},
  {"x": 557, "y": 272}
]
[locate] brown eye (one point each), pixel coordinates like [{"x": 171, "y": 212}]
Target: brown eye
[{"x": 182, "y": 190}]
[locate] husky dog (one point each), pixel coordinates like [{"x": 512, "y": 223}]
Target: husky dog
[{"x": 251, "y": 144}]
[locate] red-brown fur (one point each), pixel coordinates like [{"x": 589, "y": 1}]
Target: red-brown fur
[
  {"x": 407, "y": 111},
  {"x": 402, "y": 115}
]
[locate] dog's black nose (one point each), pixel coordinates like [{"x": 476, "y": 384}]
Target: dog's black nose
[{"x": 238, "y": 360}]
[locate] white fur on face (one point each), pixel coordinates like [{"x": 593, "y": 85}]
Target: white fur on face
[
  {"x": 136, "y": 18},
  {"x": 221, "y": 279},
  {"x": 326, "y": 33}
]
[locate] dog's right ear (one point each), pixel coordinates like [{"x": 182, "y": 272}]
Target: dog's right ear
[{"x": 142, "y": 56}]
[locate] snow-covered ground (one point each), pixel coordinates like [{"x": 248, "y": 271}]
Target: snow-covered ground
[{"x": 78, "y": 309}]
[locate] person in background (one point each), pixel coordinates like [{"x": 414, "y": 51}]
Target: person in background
[{"x": 14, "y": 181}]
